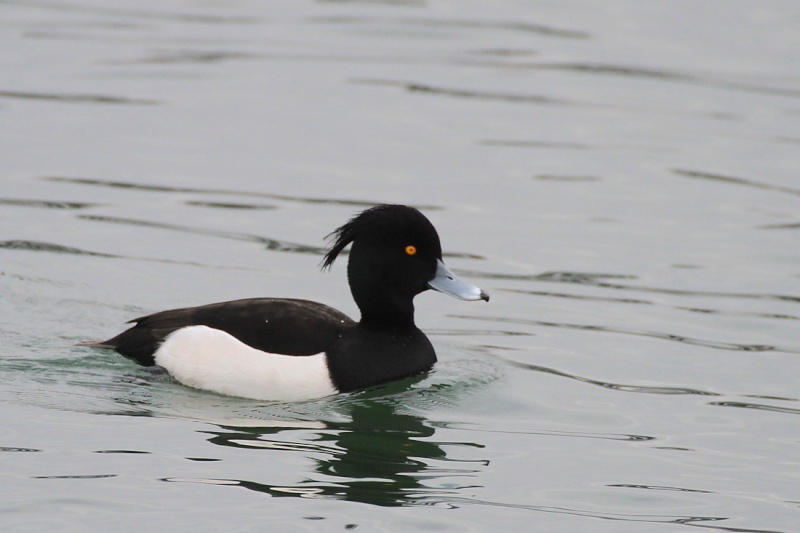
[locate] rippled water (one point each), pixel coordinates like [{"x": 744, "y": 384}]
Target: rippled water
[{"x": 621, "y": 177}]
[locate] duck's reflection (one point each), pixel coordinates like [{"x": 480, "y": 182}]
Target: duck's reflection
[{"x": 380, "y": 456}]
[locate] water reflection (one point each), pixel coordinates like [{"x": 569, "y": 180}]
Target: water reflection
[
  {"x": 600, "y": 280},
  {"x": 77, "y": 98},
  {"x": 684, "y": 339},
  {"x": 466, "y": 93},
  {"x": 736, "y": 181},
  {"x": 473, "y": 24},
  {"x": 47, "y": 204},
  {"x": 380, "y": 457},
  {"x": 269, "y": 243},
  {"x": 609, "y": 385},
  {"x": 202, "y": 190}
]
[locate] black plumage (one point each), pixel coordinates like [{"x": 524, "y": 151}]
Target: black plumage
[{"x": 395, "y": 255}]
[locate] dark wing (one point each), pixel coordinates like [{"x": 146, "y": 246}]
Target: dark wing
[{"x": 285, "y": 326}]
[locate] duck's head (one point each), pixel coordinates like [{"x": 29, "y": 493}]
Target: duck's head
[{"x": 395, "y": 255}]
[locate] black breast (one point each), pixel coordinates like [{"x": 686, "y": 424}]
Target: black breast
[{"x": 365, "y": 357}]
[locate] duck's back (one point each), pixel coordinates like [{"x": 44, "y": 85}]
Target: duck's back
[{"x": 274, "y": 325}]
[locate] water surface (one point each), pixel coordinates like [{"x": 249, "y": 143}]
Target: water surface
[{"x": 622, "y": 178}]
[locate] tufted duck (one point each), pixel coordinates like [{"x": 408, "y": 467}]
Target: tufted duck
[{"x": 290, "y": 350}]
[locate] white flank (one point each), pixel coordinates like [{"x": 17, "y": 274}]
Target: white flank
[{"x": 210, "y": 359}]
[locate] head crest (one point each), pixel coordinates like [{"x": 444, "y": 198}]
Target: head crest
[
  {"x": 381, "y": 217},
  {"x": 340, "y": 237}
]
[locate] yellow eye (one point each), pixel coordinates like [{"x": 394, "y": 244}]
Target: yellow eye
[{"x": 411, "y": 249}]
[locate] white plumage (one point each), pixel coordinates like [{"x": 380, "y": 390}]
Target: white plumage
[{"x": 211, "y": 359}]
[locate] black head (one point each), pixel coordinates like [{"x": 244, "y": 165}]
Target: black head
[{"x": 394, "y": 255}]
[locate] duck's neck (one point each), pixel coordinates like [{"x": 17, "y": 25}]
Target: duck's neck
[
  {"x": 382, "y": 305},
  {"x": 386, "y": 313}
]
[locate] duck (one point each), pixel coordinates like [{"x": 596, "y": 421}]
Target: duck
[{"x": 285, "y": 349}]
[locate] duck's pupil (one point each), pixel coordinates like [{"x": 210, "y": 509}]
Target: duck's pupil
[{"x": 411, "y": 249}]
